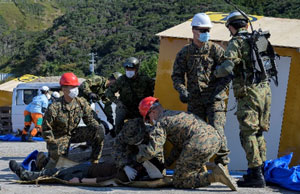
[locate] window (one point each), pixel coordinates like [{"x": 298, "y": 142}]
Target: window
[{"x": 29, "y": 94}]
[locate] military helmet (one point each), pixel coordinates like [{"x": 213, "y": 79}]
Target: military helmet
[
  {"x": 115, "y": 75},
  {"x": 234, "y": 16},
  {"x": 131, "y": 62}
]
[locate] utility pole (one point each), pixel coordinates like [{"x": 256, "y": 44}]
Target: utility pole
[{"x": 92, "y": 64}]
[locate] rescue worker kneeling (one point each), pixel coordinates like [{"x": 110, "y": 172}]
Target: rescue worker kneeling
[
  {"x": 126, "y": 149},
  {"x": 61, "y": 120},
  {"x": 194, "y": 143}
]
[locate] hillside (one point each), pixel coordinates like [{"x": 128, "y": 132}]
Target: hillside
[{"x": 113, "y": 29}]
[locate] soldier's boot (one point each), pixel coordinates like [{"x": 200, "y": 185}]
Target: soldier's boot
[
  {"x": 248, "y": 175},
  {"x": 255, "y": 179},
  {"x": 23, "y": 174},
  {"x": 26, "y": 175},
  {"x": 226, "y": 169},
  {"x": 219, "y": 175}
]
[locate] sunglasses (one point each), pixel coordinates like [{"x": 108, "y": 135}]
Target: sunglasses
[{"x": 201, "y": 30}]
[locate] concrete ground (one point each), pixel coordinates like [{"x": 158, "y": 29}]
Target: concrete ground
[{"x": 18, "y": 151}]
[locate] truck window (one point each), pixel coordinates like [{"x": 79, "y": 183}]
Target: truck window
[{"x": 29, "y": 94}]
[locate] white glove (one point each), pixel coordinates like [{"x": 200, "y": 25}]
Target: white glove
[
  {"x": 152, "y": 170},
  {"x": 130, "y": 172}
]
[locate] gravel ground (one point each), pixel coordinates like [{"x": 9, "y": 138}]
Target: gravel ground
[{"x": 18, "y": 151}]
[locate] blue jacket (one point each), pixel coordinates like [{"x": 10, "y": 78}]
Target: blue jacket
[{"x": 39, "y": 102}]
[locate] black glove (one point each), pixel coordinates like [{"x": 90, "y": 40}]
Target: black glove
[
  {"x": 93, "y": 97},
  {"x": 44, "y": 109},
  {"x": 184, "y": 96}
]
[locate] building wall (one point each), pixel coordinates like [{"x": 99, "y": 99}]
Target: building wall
[
  {"x": 290, "y": 135},
  {"x": 5, "y": 98}
]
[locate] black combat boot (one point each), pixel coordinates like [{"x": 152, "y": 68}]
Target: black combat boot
[
  {"x": 254, "y": 179},
  {"x": 23, "y": 137},
  {"x": 248, "y": 175},
  {"x": 15, "y": 167},
  {"x": 23, "y": 174}
]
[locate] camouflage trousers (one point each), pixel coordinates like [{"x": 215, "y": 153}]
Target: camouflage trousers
[
  {"x": 122, "y": 113},
  {"x": 195, "y": 153},
  {"x": 93, "y": 137},
  {"x": 215, "y": 114},
  {"x": 253, "y": 113}
]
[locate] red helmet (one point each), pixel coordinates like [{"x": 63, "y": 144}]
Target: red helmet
[
  {"x": 146, "y": 104},
  {"x": 69, "y": 79}
]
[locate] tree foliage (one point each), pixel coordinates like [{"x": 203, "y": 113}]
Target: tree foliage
[{"x": 113, "y": 29}]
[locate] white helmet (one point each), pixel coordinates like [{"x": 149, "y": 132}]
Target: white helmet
[
  {"x": 201, "y": 20},
  {"x": 55, "y": 94},
  {"x": 45, "y": 88}
]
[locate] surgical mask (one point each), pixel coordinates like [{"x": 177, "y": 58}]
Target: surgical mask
[
  {"x": 130, "y": 74},
  {"x": 73, "y": 92},
  {"x": 204, "y": 37}
]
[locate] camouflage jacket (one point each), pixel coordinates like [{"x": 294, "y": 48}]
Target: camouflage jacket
[
  {"x": 238, "y": 58},
  {"x": 131, "y": 91},
  {"x": 178, "y": 127},
  {"x": 61, "y": 118},
  {"x": 97, "y": 85},
  {"x": 198, "y": 65},
  {"x": 125, "y": 147}
]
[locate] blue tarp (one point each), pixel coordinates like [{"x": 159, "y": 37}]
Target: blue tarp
[
  {"x": 30, "y": 161},
  {"x": 10, "y": 137},
  {"x": 277, "y": 171}
]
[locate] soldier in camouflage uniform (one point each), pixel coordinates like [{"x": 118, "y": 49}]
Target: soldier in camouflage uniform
[
  {"x": 61, "y": 120},
  {"x": 132, "y": 88},
  {"x": 93, "y": 89},
  {"x": 204, "y": 93},
  {"x": 125, "y": 149},
  {"x": 194, "y": 143},
  {"x": 253, "y": 96}
]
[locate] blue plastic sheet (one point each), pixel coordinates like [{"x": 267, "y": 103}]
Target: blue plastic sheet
[
  {"x": 277, "y": 171},
  {"x": 10, "y": 137},
  {"x": 30, "y": 161}
]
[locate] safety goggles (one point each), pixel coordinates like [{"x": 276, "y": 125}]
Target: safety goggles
[{"x": 201, "y": 30}]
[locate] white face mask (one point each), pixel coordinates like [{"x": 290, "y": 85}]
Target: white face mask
[
  {"x": 74, "y": 92},
  {"x": 130, "y": 74}
]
